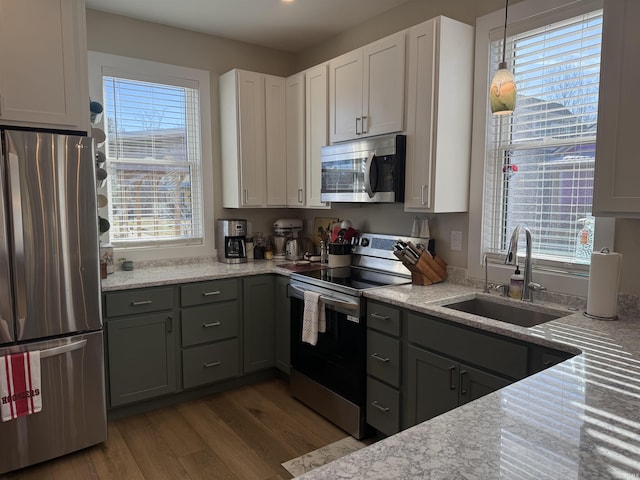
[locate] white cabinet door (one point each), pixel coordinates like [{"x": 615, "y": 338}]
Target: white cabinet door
[
  {"x": 366, "y": 90},
  {"x": 420, "y": 105},
  {"x": 43, "y": 78},
  {"x": 345, "y": 97},
  {"x": 617, "y": 169},
  {"x": 383, "y": 85},
  {"x": 251, "y": 107},
  {"x": 439, "y": 101},
  {"x": 296, "y": 140},
  {"x": 276, "y": 141},
  {"x": 317, "y": 131}
]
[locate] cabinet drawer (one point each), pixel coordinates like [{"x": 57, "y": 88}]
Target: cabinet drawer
[
  {"x": 209, "y": 323},
  {"x": 210, "y": 363},
  {"x": 138, "y": 301},
  {"x": 383, "y": 318},
  {"x": 208, "y": 292},
  {"x": 383, "y": 357},
  {"x": 383, "y": 407},
  {"x": 494, "y": 353}
]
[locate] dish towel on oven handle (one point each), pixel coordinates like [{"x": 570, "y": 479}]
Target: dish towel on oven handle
[
  {"x": 20, "y": 385},
  {"x": 313, "y": 320}
]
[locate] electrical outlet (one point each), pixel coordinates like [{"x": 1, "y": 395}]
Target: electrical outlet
[{"x": 456, "y": 240}]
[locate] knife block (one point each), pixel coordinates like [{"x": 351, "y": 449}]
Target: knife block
[{"x": 428, "y": 270}]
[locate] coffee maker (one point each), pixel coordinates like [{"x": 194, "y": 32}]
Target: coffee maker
[{"x": 231, "y": 240}]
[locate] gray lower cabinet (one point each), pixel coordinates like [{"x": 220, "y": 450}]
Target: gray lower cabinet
[
  {"x": 140, "y": 335},
  {"x": 283, "y": 325},
  {"x": 437, "y": 384},
  {"x": 210, "y": 330},
  {"x": 258, "y": 335},
  {"x": 384, "y": 367}
]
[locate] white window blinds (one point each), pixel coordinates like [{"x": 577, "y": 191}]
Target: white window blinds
[
  {"x": 540, "y": 160},
  {"x": 153, "y": 160}
]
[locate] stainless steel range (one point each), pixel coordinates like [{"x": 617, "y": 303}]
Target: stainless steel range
[{"x": 330, "y": 377}]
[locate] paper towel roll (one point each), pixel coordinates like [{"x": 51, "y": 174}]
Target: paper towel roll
[{"x": 604, "y": 277}]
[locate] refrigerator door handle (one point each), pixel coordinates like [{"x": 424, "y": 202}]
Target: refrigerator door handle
[
  {"x": 18, "y": 238},
  {"x": 69, "y": 347}
]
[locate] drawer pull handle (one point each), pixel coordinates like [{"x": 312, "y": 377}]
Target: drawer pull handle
[
  {"x": 378, "y": 357},
  {"x": 211, "y": 364},
  {"x": 463, "y": 390},
  {"x": 452, "y": 371},
  {"x": 377, "y": 316},
  {"x": 379, "y": 407},
  {"x": 208, "y": 294},
  {"x": 140, "y": 303},
  {"x": 212, "y": 324}
]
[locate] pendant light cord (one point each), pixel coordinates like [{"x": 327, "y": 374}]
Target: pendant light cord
[{"x": 504, "y": 39}]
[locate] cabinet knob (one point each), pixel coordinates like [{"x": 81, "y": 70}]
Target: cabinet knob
[
  {"x": 379, "y": 358},
  {"x": 452, "y": 371},
  {"x": 212, "y": 324},
  {"x": 208, "y": 294},
  {"x": 379, "y": 407},
  {"x": 141, "y": 303}
]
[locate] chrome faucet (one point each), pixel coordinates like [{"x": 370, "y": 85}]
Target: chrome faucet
[{"x": 512, "y": 258}]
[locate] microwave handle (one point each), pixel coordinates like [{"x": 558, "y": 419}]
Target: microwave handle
[{"x": 367, "y": 175}]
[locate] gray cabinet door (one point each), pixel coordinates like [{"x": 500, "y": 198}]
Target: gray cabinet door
[
  {"x": 141, "y": 357},
  {"x": 475, "y": 383},
  {"x": 282, "y": 325},
  {"x": 432, "y": 385},
  {"x": 258, "y": 325}
]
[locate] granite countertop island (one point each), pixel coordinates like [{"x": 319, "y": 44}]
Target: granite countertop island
[{"x": 579, "y": 419}]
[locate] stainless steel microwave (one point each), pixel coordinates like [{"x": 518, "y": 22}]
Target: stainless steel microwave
[{"x": 369, "y": 170}]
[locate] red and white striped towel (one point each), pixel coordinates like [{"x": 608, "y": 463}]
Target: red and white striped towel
[{"x": 20, "y": 385}]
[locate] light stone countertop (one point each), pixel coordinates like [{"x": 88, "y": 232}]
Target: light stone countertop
[
  {"x": 577, "y": 420},
  {"x": 188, "y": 272}
]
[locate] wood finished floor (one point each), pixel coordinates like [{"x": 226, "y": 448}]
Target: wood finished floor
[{"x": 242, "y": 434}]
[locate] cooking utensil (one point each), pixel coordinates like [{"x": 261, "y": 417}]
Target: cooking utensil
[
  {"x": 102, "y": 200},
  {"x": 103, "y": 225}
]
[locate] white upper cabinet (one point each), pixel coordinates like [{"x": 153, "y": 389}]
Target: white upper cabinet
[
  {"x": 252, "y": 125},
  {"x": 276, "y": 140},
  {"x": 296, "y": 140},
  {"x": 366, "y": 90},
  {"x": 316, "y": 131},
  {"x": 439, "y": 108},
  {"x": 617, "y": 169},
  {"x": 43, "y": 77}
]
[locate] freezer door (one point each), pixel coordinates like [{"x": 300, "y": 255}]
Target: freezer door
[
  {"x": 73, "y": 412},
  {"x": 6, "y": 301},
  {"x": 52, "y": 196}
]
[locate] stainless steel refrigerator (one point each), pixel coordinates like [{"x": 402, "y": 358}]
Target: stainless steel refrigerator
[{"x": 50, "y": 292}]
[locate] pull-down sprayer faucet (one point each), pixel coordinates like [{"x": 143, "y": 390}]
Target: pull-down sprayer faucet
[{"x": 512, "y": 258}]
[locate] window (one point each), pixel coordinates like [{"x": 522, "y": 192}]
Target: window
[
  {"x": 540, "y": 160},
  {"x": 153, "y": 159}
]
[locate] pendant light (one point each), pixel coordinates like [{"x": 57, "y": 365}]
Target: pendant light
[{"x": 502, "y": 92}]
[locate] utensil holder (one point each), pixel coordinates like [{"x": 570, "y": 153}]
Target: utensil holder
[{"x": 428, "y": 270}]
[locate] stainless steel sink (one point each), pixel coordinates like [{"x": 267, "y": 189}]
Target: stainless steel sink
[{"x": 524, "y": 316}]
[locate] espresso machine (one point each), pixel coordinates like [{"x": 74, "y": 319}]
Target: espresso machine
[
  {"x": 284, "y": 229},
  {"x": 231, "y": 240}
]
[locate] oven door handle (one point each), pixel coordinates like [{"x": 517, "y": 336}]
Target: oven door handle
[{"x": 355, "y": 306}]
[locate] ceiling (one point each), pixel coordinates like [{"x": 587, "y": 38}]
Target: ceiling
[{"x": 287, "y": 26}]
